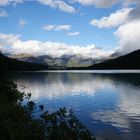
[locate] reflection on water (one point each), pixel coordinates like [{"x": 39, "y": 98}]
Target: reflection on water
[{"x": 107, "y": 103}]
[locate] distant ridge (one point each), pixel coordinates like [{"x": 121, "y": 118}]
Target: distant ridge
[
  {"x": 128, "y": 61},
  {"x": 7, "y": 63}
]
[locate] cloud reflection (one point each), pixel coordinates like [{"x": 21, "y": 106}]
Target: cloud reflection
[
  {"x": 126, "y": 115},
  {"x": 120, "y": 110},
  {"x": 56, "y": 85}
]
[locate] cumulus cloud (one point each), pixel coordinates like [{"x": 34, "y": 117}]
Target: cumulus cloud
[
  {"x": 129, "y": 37},
  {"x": 115, "y": 19},
  {"x": 135, "y": 13},
  {"x": 14, "y": 45},
  {"x": 59, "y": 4},
  {"x": 7, "y": 2},
  {"x": 97, "y": 3},
  {"x": 127, "y": 21},
  {"x": 107, "y": 3},
  {"x": 22, "y": 23},
  {"x": 4, "y": 2},
  {"x": 3, "y": 13},
  {"x": 73, "y": 33},
  {"x": 130, "y": 2},
  {"x": 57, "y": 27},
  {"x": 8, "y": 39},
  {"x": 129, "y": 32}
]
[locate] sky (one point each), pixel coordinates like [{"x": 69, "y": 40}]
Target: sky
[{"x": 91, "y": 28}]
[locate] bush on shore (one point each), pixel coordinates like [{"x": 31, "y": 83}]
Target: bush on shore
[{"x": 17, "y": 121}]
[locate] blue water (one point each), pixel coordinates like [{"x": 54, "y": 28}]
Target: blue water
[{"x": 107, "y": 102}]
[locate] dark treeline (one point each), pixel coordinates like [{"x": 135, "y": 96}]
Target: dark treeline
[
  {"x": 16, "y": 65},
  {"x": 128, "y": 61}
]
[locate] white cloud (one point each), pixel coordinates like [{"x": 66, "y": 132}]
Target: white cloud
[
  {"x": 128, "y": 22},
  {"x": 14, "y": 2},
  {"x": 3, "y": 13},
  {"x": 12, "y": 44},
  {"x": 130, "y": 2},
  {"x": 22, "y": 23},
  {"x": 62, "y": 27},
  {"x": 57, "y": 27},
  {"x": 8, "y": 39},
  {"x": 59, "y": 4},
  {"x": 107, "y": 3},
  {"x": 73, "y": 33},
  {"x": 4, "y": 2},
  {"x": 49, "y": 27},
  {"x": 129, "y": 37},
  {"x": 115, "y": 19},
  {"x": 97, "y": 3},
  {"x": 7, "y": 2}
]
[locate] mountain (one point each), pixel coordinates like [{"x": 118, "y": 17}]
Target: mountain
[
  {"x": 61, "y": 62},
  {"x": 116, "y": 54},
  {"x": 16, "y": 65},
  {"x": 128, "y": 61}
]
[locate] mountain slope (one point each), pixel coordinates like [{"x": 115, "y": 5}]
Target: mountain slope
[
  {"x": 129, "y": 61},
  {"x": 16, "y": 65},
  {"x": 60, "y": 62}
]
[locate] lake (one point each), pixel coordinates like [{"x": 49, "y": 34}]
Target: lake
[{"x": 107, "y": 102}]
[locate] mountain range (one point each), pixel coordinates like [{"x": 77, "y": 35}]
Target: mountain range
[
  {"x": 62, "y": 62},
  {"x": 26, "y": 62}
]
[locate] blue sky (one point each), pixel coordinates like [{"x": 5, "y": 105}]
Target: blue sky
[
  {"x": 44, "y": 20},
  {"x": 37, "y": 15}
]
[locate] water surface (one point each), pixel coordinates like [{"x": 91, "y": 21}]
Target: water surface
[{"x": 108, "y": 103}]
